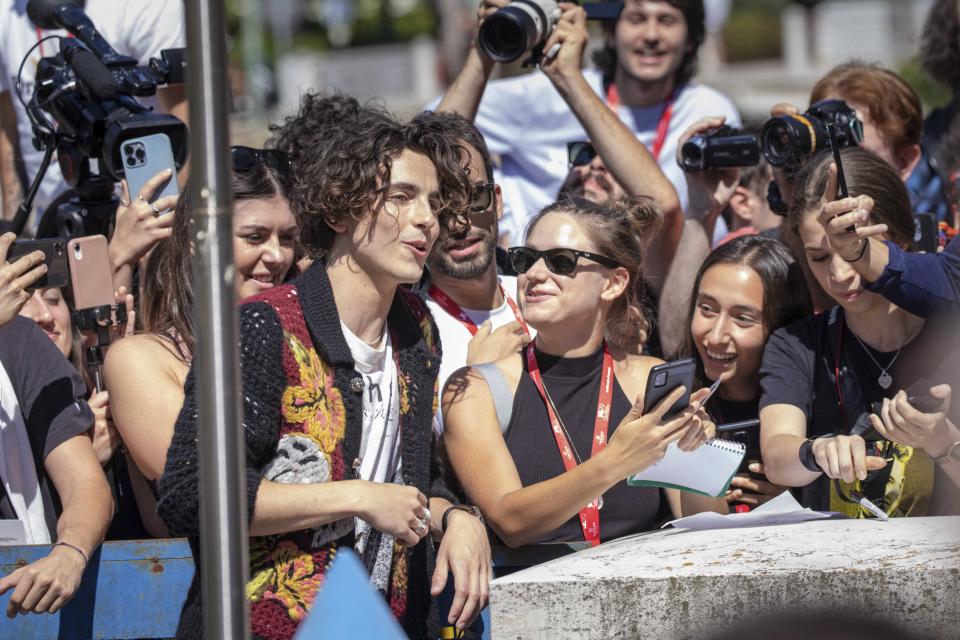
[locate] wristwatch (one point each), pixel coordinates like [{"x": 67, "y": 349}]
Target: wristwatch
[
  {"x": 807, "y": 457},
  {"x": 952, "y": 454},
  {"x": 472, "y": 510}
]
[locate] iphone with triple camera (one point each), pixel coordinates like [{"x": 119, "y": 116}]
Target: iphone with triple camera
[{"x": 145, "y": 157}]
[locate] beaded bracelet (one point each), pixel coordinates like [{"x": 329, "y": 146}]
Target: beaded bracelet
[{"x": 75, "y": 548}]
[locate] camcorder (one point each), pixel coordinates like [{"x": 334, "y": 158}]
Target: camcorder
[
  {"x": 90, "y": 93},
  {"x": 724, "y": 147},
  {"x": 828, "y": 124},
  {"x": 524, "y": 25}
]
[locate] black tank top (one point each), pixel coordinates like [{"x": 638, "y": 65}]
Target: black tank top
[{"x": 574, "y": 386}]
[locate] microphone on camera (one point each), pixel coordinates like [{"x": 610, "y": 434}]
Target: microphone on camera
[
  {"x": 70, "y": 16},
  {"x": 94, "y": 74},
  {"x": 52, "y": 14}
]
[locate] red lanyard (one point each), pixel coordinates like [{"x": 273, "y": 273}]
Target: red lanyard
[
  {"x": 613, "y": 101},
  {"x": 590, "y": 514},
  {"x": 447, "y": 304}
]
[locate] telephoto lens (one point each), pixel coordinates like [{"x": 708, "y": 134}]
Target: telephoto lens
[
  {"x": 725, "y": 147},
  {"x": 786, "y": 138},
  {"x": 516, "y": 28}
]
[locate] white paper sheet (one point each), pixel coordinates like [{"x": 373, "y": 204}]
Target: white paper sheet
[
  {"x": 783, "y": 509},
  {"x": 12, "y": 532}
]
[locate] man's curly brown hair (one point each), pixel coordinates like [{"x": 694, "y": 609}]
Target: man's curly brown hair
[{"x": 343, "y": 154}]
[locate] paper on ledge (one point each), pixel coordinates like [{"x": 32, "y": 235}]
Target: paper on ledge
[{"x": 783, "y": 509}]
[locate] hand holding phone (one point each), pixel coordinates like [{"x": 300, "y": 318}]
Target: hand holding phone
[
  {"x": 642, "y": 437},
  {"x": 52, "y": 254},
  {"x": 16, "y": 277},
  {"x": 666, "y": 377}
]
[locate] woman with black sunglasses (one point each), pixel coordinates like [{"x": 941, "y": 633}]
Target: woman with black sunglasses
[
  {"x": 528, "y": 435},
  {"x": 145, "y": 373}
]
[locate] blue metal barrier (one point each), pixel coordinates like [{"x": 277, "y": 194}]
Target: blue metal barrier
[{"x": 131, "y": 589}]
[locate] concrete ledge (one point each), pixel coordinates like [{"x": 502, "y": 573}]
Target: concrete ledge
[{"x": 684, "y": 584}]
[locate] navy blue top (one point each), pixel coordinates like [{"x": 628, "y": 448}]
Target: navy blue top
[{"x": 921, "y": 283}]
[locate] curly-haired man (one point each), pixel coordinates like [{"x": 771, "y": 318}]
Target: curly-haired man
[{"x": 339, "y": 372}]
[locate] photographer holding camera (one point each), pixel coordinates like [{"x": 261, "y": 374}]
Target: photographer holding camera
[
  {"x": 138, "y": 28},
  {"x": 46, "y": 457},
  {"x": 644, "y": 77}
]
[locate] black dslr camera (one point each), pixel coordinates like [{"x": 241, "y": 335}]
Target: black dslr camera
[
  {"x": 827, "y": 124},
  {"x": 725, "y": 147},
  {"x": 524, "y": 25}
]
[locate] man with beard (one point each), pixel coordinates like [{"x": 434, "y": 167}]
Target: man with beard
[
  {"x": 643, "y": 79},
  {"x": 475, "y": 308}
]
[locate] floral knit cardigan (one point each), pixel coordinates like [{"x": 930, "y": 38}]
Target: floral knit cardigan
[{"x": 302, "y": 422}]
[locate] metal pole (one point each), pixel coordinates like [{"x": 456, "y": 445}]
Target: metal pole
[{"x": 223, "y": 514}]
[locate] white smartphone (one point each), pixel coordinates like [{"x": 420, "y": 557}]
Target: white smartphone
[{"x": 145, "y": 157}]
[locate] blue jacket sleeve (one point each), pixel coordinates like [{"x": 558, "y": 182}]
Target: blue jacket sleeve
[{"x": 922, "y": 283}]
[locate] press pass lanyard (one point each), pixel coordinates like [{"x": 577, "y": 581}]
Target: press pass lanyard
[
  {"x": 613, "y": 101},
  {"x": 447, "y": 304},
  {"x": 590, "y": 514}
]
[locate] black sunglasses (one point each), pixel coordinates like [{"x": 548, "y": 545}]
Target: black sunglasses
[
  {"x": 481, "y": 197},
  {"x": 580, "y": 153},
  {"x": 560, "y": 261},
  {"x": 248, "y": 158}
]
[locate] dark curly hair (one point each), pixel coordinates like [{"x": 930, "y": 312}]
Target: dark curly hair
[
  {"x": 317, "y": 113},
  {"x": 605, "y": 58},
  {"x": 458, "y": 129},
  {"x": 940, "y": 44},
  {"x": 343, "y": 154}
]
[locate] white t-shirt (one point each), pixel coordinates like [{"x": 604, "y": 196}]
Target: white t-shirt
[
  {"x": 455, "y": 338},
  {"x": 527, "y": 123},
  {"x": 380, "y": 443},
  {"x": 137, "y": 28}
]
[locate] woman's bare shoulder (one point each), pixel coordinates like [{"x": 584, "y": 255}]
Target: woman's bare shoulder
[{"x": 145, "y": 352}]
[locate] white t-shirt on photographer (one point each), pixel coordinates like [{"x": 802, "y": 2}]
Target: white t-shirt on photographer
[
  {"x": 528, "y": 125},
  {"x": 137, "y": 28}
]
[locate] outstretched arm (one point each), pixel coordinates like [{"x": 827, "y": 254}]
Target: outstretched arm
[
  {"x": 50, "y": 582},
  {"x": 466, "y": 91},
  {"x": 627, "y": 159}
]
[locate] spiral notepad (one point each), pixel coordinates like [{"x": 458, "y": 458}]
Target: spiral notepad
[{"x": 707, "y": 470}]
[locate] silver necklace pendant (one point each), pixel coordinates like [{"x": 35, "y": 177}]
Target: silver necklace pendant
[{"x": 885, "y": 380}]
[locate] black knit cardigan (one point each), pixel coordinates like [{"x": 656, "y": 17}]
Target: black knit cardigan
[{"x": 263, "y": 384}]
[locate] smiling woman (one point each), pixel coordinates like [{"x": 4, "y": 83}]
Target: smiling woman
[
  {"x": 745, "y": 290},
  {"x": 145, "y": 373},
  {"x": 525, "y": 435}
]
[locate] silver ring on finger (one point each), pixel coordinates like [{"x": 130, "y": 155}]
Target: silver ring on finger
[
  {"x": 156, "y": 211},
  {"x": 421, "y": 528}
]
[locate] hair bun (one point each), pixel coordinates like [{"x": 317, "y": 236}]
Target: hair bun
[{"x": 642, "y": 212}]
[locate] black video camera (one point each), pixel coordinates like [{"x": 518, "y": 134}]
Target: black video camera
[
  {"x": 89, "y": 91},
  {"x": 724, "y": 147},
  {"x": 825, "y": 125},
  {"x": 524, "y": 25}
]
